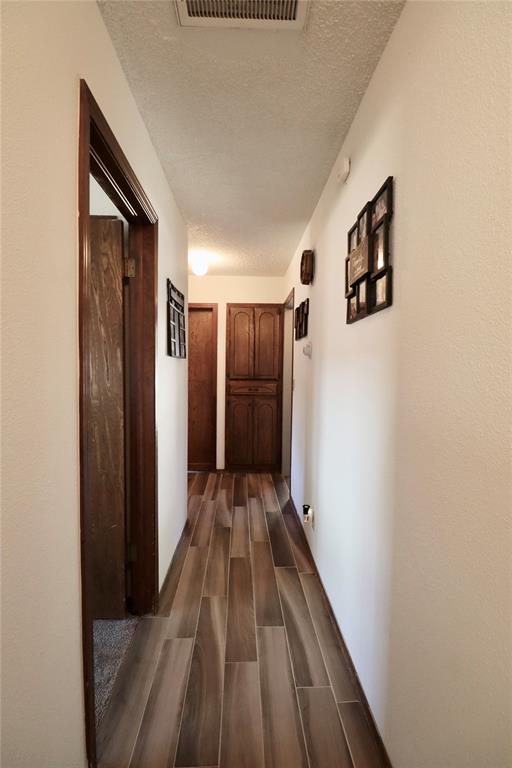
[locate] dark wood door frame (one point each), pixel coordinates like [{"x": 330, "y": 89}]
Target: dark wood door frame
[
  {"x": 101, "y": 155},
  {"x": 214, "y": 310},
  {"x": 289, "y": 305}
]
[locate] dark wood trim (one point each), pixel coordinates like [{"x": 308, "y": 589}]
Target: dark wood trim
[
  {"x": 289, "y": 306},
  {"x": 101, "y": 155},
  {"x": 204, "y": 466},
  {"x": 362, "y": 696}
]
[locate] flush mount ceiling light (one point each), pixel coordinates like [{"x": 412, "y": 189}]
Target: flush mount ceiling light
[
  {"x": 199, "y": 262},
  {"x": 251, "y": 14}
]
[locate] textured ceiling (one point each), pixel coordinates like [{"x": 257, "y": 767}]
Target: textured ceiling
[{"x": 248, "y": 123}]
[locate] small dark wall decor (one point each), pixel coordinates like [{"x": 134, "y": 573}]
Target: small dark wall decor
[
  {"x": 176, "y": 337},
  {"x": 368, "y": 270},
  {"x": 307, "y": 267},
  {"x": 301, "y": 320}
]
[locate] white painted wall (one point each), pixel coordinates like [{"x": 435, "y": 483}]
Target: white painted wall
[
  {"x": 222, "y": 290},
  {"x": 402, "y": 422},
  {"x": 47, "y": 47}
]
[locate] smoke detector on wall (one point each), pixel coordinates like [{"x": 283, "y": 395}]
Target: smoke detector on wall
[{"x": 248, "y": 14}]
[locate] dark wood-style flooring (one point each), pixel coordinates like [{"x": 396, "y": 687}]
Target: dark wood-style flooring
[{"x": 244, "y": 666}]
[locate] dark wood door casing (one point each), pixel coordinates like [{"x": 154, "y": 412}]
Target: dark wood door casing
[
  {"x": 254, "y": 360},
  {"x": 202, "y": 386}
]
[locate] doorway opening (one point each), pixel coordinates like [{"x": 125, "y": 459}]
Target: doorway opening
[
  {"x": 117, "y": 329},
  {"x": 288, "y": 348}
]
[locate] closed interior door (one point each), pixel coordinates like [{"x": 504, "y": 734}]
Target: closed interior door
[
  {"x": 106, "y": 426},
  {"x": 254, "y": 387},
  {"x": 202, "y": 386}
]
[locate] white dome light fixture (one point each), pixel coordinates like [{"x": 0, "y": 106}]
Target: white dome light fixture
[{"x": 199, "y": 262}]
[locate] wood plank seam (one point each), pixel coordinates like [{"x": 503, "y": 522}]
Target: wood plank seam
[
  {"x": 226, "y": 623},
  {"x": 195, "y": 637},
  {"x": 255, "y": 622},
  {"x": 288, "y": 644}
]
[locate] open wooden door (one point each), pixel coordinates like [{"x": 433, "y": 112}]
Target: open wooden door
[{"x": 106, "y": 423}]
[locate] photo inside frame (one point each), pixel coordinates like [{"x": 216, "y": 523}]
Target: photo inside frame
[
  {"x": 362, "y": 296},
  {"x": 381, "y": 292},
  {"x": 378, "y": 249}
]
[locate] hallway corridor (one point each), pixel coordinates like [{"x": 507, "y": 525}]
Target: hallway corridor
[{"x": 243, "y": 667}]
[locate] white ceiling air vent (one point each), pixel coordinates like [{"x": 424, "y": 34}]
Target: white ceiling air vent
[{"x": 253, "y": 14}]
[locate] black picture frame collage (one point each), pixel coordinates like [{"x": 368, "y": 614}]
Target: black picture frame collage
[
  {"x": 176, "y": 332},
  {"x": 368, "y": 269}
]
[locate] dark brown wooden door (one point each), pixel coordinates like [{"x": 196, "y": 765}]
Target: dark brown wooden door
[
  {"x": 266, "y": 432},
  {"x": 202, "y": 386},
  {"x": 105, "y": 427},
  {"x": 239, "y": 446},
  {"x": 267, "y": 342},
  {"x": 254, "y": 386},
  {"x": 240, "y": 342}
]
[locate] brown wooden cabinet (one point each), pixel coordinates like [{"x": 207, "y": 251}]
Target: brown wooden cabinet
[{"x": 253, "y": 387}]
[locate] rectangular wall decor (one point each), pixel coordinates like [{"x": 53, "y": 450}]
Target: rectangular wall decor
[
  {"x": 301, "y": 320},
  {"x": 368, "y": 270},
  {"x": 176, "y": 336}
]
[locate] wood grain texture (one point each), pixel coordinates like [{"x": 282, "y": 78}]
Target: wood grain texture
[
  {"x": 241, "y": 639},
  {"x": 171, "y": 582},
  {"x": 106, "y": 422},
  {"x": 281, "y": 489},
  {"x": 199, "y": 484},
  {"x": 257, "y": 521},
  {"x": 325, "y": 740},
  {"x": 198, "y": 743},
  {"x": 303, "y": 558},
  {"x": 268, "y": 494},
  {"x": 253, "y": 486},
  {"x": 223, "y": 516},
  {"x": 242, "y": 733},
  {"x": 183, "y": 619},
  {"x": 204, "y": 525},
  {"x": 158, "y": 735},
  {"x": 120, "y": 724},
  {"x": 308, "y": 665},
  {"x": 216, "y": 581},
  {"x": 240, "y": 491},
  {"x": 266, "y": 596},
  {"x": 282, "y": 731},
  {"x": 240, "y": 534},
  {"x": 193, "y": 507},
  {"x": 366, "y": 750},
  {"x": 212, "y": 486},
  {"x": 202, "y": 386},
  {"x": 341, "y": 679},
  {"x": 281, "y": 549},
  {"x": 228, "y": 484}
]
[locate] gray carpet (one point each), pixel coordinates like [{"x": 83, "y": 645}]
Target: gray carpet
[{"x": 111, "y": 641}]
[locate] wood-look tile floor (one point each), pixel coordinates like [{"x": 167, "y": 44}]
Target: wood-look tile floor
[{"x": 243, "y": 667}]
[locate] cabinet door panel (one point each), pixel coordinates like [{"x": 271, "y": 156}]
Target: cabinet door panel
[
  {"x": 239, "y": 437},
  {"x": 267, "y": 342},
  {"x": 241, "y": 342},
  {"x": 266, "y": 432}
]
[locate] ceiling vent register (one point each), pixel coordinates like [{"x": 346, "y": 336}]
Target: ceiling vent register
[{"x": 252, "y": 14}]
